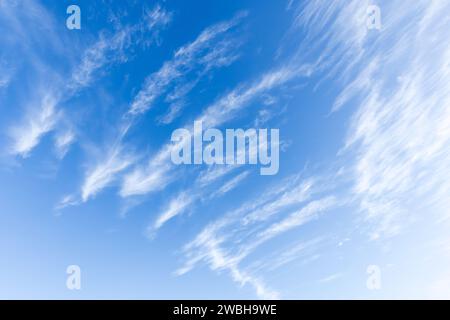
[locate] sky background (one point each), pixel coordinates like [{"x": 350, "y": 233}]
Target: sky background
[{"x": 85, "y": 171}]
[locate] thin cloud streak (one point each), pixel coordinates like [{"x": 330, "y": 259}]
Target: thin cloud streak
[
  {"x": 201, "y": 53},
  {"x": 105, "y": 51},
  {"x": 38, "y": 122},
  {"x": 226, "y": 242},
  {"x": 225, "y": 109},
  {"x": 209, "y": 50},
  {"x": 102, "y": 175}
]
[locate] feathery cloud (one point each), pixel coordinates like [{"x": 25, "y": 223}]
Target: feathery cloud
[
  {"x": 106, "y": 50},
  {"x": 37, "y": 123},
  {"x": 230, "y": 184},
  {"x": 226, "y": 242},
  {"x": 175, "y": 207},
  {"x": 211, "y": 49},
  {"x": 100, "y": 176},
  {"x": 63, "y": 141},
  {"x": 225, "y": 109},
  {"x": 197, "y": 54}
]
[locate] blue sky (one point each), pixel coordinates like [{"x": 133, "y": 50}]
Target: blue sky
[{"x": 86, "y": 178}]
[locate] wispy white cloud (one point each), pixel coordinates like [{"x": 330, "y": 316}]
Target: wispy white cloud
[
  {"x": 174, "y": 111},
  {"x": 229, "y": 105},
  {"x": 226, "y": 242},
  {"x": 398, "y": 141},
  {"x": 230, "y": 184},
  {"x": 211, "y": 49},
  {"x": 104, "y": 51},
  {"x": 219, "y": 260},
  {"x": 197, "y": 54},
  {"x": 63, "y": 141},
  {"x": 175, "y": 207},
  {"x": 298, "y": 218},
  {"x": 104, "y": 173},
  {"x": 221, "y": 111},
  {"x": 398, "y": 138},
  {"x": 396, "y": 82},
  {"x": 287, "y": 197},
  {"x": 202, "y": 190},
  {"x": 108, "y": 49},
  {"x": 155, "y": 20},
  {"x": 111, "y": 48},
  {"x": 39, "y": 121},
  {"x": 66, "y": 201},
  {"x": 144, "y": 180},
  {"x": 331, "y": 277},
  {"x": 213, "y": 173},
  {"x": 307, "y": 250},
  {"x": 24, "y": 24},
  {"x": 337, "y": 32}
]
